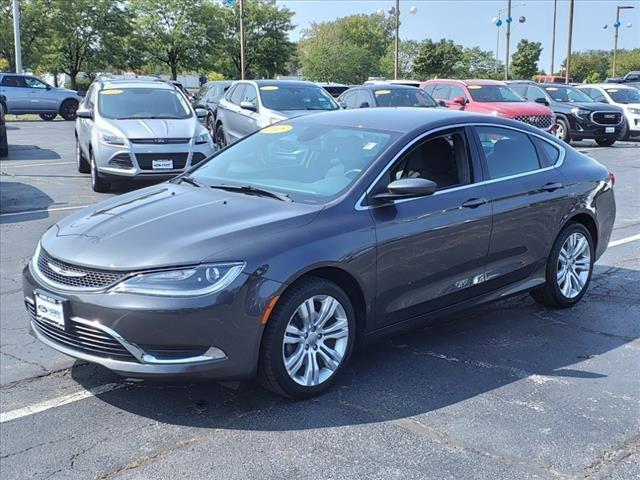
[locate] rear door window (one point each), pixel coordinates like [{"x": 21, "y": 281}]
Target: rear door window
[
  {"x": 456, "y": 92},
  {"x": 507, "y": 152},
  {"x": 441, "y": 92},
  {"x": 237, "y": 94},
  {"x": 13, "y": 81}
]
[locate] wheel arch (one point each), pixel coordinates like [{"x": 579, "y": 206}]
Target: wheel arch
[{"x": 585, "y": 219}]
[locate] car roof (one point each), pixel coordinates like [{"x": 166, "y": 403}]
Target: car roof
[
  {"x": 472, "y": 81},
  {"x": 134, "y": 83},
  {"x": 608, "y": 85},
  {"x": 293, "y": 83},
  {"x": 386, "y": 86}
]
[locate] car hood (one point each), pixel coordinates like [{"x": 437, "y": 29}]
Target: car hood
[
  {"x": 171, "y": 225},
  {"x": 513, "y": 109},
  {"x": 296, "y": 113},
  {"x": 591, "y": 106},
  {"x": 156, "y": 128}
]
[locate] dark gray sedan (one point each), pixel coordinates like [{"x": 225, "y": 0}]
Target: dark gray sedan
[{"x": 287, "y": 249}]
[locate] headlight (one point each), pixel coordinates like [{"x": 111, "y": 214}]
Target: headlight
[
  {"x": 202, "y": 138},
  {"x": 635, "y": 111},
  {"x": 110, "y": 139},
  {"x": 579, "y": 112},
  {"x": 183, "y": 282}
]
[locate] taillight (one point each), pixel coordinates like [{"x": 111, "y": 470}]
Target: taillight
[{"x": 611, "y": 179}]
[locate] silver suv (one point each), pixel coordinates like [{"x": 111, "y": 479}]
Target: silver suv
[
  {"x": 251, "y": 105},
  {"x": 129, "y": 129},
  {"x": 27, "y": 94}
]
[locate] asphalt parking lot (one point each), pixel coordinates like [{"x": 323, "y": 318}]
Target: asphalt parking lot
[{"x": 510, "y": 390}]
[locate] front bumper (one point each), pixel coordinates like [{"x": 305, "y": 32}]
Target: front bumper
[
  {"x": 584, "y": 129},
  {"x": 213, "y": 336}
]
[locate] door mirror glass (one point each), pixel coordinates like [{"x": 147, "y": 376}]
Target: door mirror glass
[
  {"x": 248, "y": 106},
  {"x": 84, "y": 113},
  {"x": 460, "y": 100},
  {"x": 201, "y": 113},
  {"x": 541, "y": 100},
  {"x": 407, "y": 188}
]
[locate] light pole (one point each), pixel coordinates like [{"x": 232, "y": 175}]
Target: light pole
[
  {"x": 615, "y": 42},
  {"x": 567, "y": 70},
  {"x": 497, "y": 21},
  {"x": 16, "y": 35},
  {"x": 395, "y": 11},
  {"x": 241, "y": 7},
  {"x": 553, "y": 35}
]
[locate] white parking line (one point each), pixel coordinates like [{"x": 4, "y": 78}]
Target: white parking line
[
  {"x": 2, "y": 165},
  {"x": 622, "y": 241},
  {"x": 29, "y": 212},
  {"x": 57, "y": 402}
]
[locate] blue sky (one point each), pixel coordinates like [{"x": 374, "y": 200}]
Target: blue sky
[{"x": 468, "y": 22}]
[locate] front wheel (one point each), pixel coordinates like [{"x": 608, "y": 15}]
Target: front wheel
[
  {"x": 569, "y": 268},
  {"x": 68, "y": 109},
  {"x": 81, "y": 161},
  {"x": 221, "y": 140},
  {"x": 47, "y": 117},
  {"x": 562, "y": 130},
  {"x": 605, "y": 142},
  {"x": 98, "y": 184},
  {"x": 308, "y": 339}
]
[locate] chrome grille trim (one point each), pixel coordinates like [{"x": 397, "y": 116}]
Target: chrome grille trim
[
  {"x": 159, "y": 141},
  {"x": 618, "y": 116},
  {"x": 540, "y": 121}
]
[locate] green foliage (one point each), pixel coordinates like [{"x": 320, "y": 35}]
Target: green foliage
[
  {"x": 596, "y": 65},
  {"x": 438, "y": 59},
  {"x": 524, "y": 62},
  {"x": 627, "y": 61},
  {"x": 348, "y": 50},
  {"x": 407, "y": 54},
  {"x": 477, "y": 63}
]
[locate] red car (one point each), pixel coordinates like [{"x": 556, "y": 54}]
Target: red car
[{"x": 490, "y": 97}]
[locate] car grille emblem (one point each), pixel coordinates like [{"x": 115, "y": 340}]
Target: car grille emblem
[
  {"x": 610, "y": 116},
  {"x": 160, "y": 140},
  {"x": 64, "y": 272}
]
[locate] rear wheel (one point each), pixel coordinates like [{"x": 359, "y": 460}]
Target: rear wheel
[
  {"x": 562, "y": 130},
  {"x": 83, "y": 165},
  {"x": 221, "y": 140},
  {"x": 98, "y": 184},
  {"x": 47, "y": 117},
  {"x": 68, "y": 109},
  {"x": 569, "y": 268},
  {"x": 308, "y": 339},
  {"x": 605, "y": 142},
  {"x": 211, "y": 125}
]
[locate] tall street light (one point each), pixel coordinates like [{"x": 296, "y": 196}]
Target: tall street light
[
  {"x": 615, "y": 43},
  {"x": 569, "y": 35},
  {"x": 16, "y": 35},
  {"x": 553, "y": 36},
  {"x": 230, "y": 3},
  {"x": 395, "y": 11},
  {"x": 497, "y": 21}
]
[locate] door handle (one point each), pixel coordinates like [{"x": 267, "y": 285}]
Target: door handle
[
  {"x": 474, "y": 202},
  {"x": 551, "y": 186}
]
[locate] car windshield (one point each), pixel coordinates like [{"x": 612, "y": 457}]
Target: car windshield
[
  {"x": 568, "y": 94},
  {"x": 310, "y": 162},
  {"x": 624, "y": 95},
  {"x": 493, "y": 93},
  {"x": 403, "y": 97},
  {"x": 127, "y": 103},
  {"x": 296, "y": 97}
]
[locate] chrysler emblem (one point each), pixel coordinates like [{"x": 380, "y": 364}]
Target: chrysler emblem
[{"x": 66, "y": 273}]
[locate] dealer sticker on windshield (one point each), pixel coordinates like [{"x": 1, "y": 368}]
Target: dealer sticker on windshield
[{"x": 277, "y": 129}]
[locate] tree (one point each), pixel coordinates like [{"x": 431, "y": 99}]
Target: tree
[
  {"x": 477, "y": 63},
  {"x": 267, "y": 46},
  {"x": 172, "y": 32},
  {"x": 524, "y": 62},
  {"x": 32, "y": 26},
  {"x": 592, "y": 64},
  {"x": 348, "y": 50},
  {"x": 626, "y": 61},
  {"x": 441, "y": 59},
  {"x": 407, "y": 54}
]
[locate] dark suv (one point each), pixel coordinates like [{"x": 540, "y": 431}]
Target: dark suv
[
  {"x": 578, "y": 116},
  {"x": 208, "y": 98}
]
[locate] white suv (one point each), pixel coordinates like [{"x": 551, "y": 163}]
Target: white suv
[
  {"x": 623, "y": 96},
  {"x": 129, "y": 129}
]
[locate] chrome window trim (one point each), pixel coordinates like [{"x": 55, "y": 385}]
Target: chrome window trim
[
  {"x": 359, "y": 203},
  {"x": 605, "y": 124}
]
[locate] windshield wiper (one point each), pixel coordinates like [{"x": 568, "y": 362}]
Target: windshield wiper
[
  {"x": 251, "y": 190},
  {"x": 190, "y": 180}
]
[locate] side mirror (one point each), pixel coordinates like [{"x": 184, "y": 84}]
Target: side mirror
[
  {"x": 248, "y": 106},
  {"x": 364, "y": 105},
  {"x": 442, "y": 103},
  {"x": 201, "y": 113},
  {"x": 342, "y": 104},
  {"x": 407, "y": 188},
  {"x": 84, "y": 113},
  {"x": 48, "y": 87},
  {"x": 542, "y": 100},
  {"x": 460, "y": 100}
]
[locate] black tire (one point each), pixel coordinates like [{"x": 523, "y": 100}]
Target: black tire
[
  {"x": 220, "y": 138},
  {"x": 211, "y": 125},
  {"x": 47, "y": 117},
  {"x": 562, "y": 130},
  {"x": 81, "y": 161},
  {"x": 605, "y": 142},
  {"x": 68, "y": 109},
  {"x": 3, "y": 107},
  {"x": 272, "y": 372},
  {"x": 550, "y": 294},
  {"x": 98, "y": 184}
]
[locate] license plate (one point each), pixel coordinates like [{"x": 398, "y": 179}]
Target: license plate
[
  {"x": 50, "y": 309},
  {"x": 609, "y": 129},
  {"x": 162, "y": 164}
]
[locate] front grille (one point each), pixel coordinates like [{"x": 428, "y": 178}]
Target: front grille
[
  {"x": 159, "y": 141},
  {"x": 121, "y": 160},
  {"x": 92, "y": 278},
  {"x": 145, "y": 160},
  {"x": 540, "y": 121},
  {"x": 606, "y": 118},
  {"x": 197, "y": 157},
  {"x": 163, "y": 352},
  {"x": 83, "y": 338}
]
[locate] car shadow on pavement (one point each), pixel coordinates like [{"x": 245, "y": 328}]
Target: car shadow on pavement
[
  {"x": 30, "y": 153},
  {"x": 454, "y": 360},
  {"x": 17, "y": 197}
]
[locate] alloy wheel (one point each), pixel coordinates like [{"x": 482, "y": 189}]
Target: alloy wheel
[
  {"x": 574, "y": 264},
  {"x": 315, "y": 340},
  {"x": 560, "y": 131}
]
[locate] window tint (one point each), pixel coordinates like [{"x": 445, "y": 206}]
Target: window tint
[
  {"x": 534, "y": 93},
  {"x": 547, "y": 153},
  {"x": 443, "y": 159},
  {"x": 250, "y": 95},
  {"x": 34, "y": 83},
  {"x": 507, "y": 152},
  {"x": 363, "y": 99},
  {"x": 624, "y": 95},
  {"x": 88, "y": 100},
  {"x": 13, "y": 81},
  {"x": 229, "y": 92},
  {"x": 128, "y": 103},
  {"x": 429, "y": 89},
  {"x": 520, "y": 89},
  {"x": 568, "y": 94},
  {"x": 493, "y": 93},
  {"x": 403, "y": 97},
  {"x": 456, "y": 92},
  {"x": 286, "y": 96},
  {"x": 441, "y": 92},
  {"x": 351, "y": 99},
  {"x": 237, "y": 94}
]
